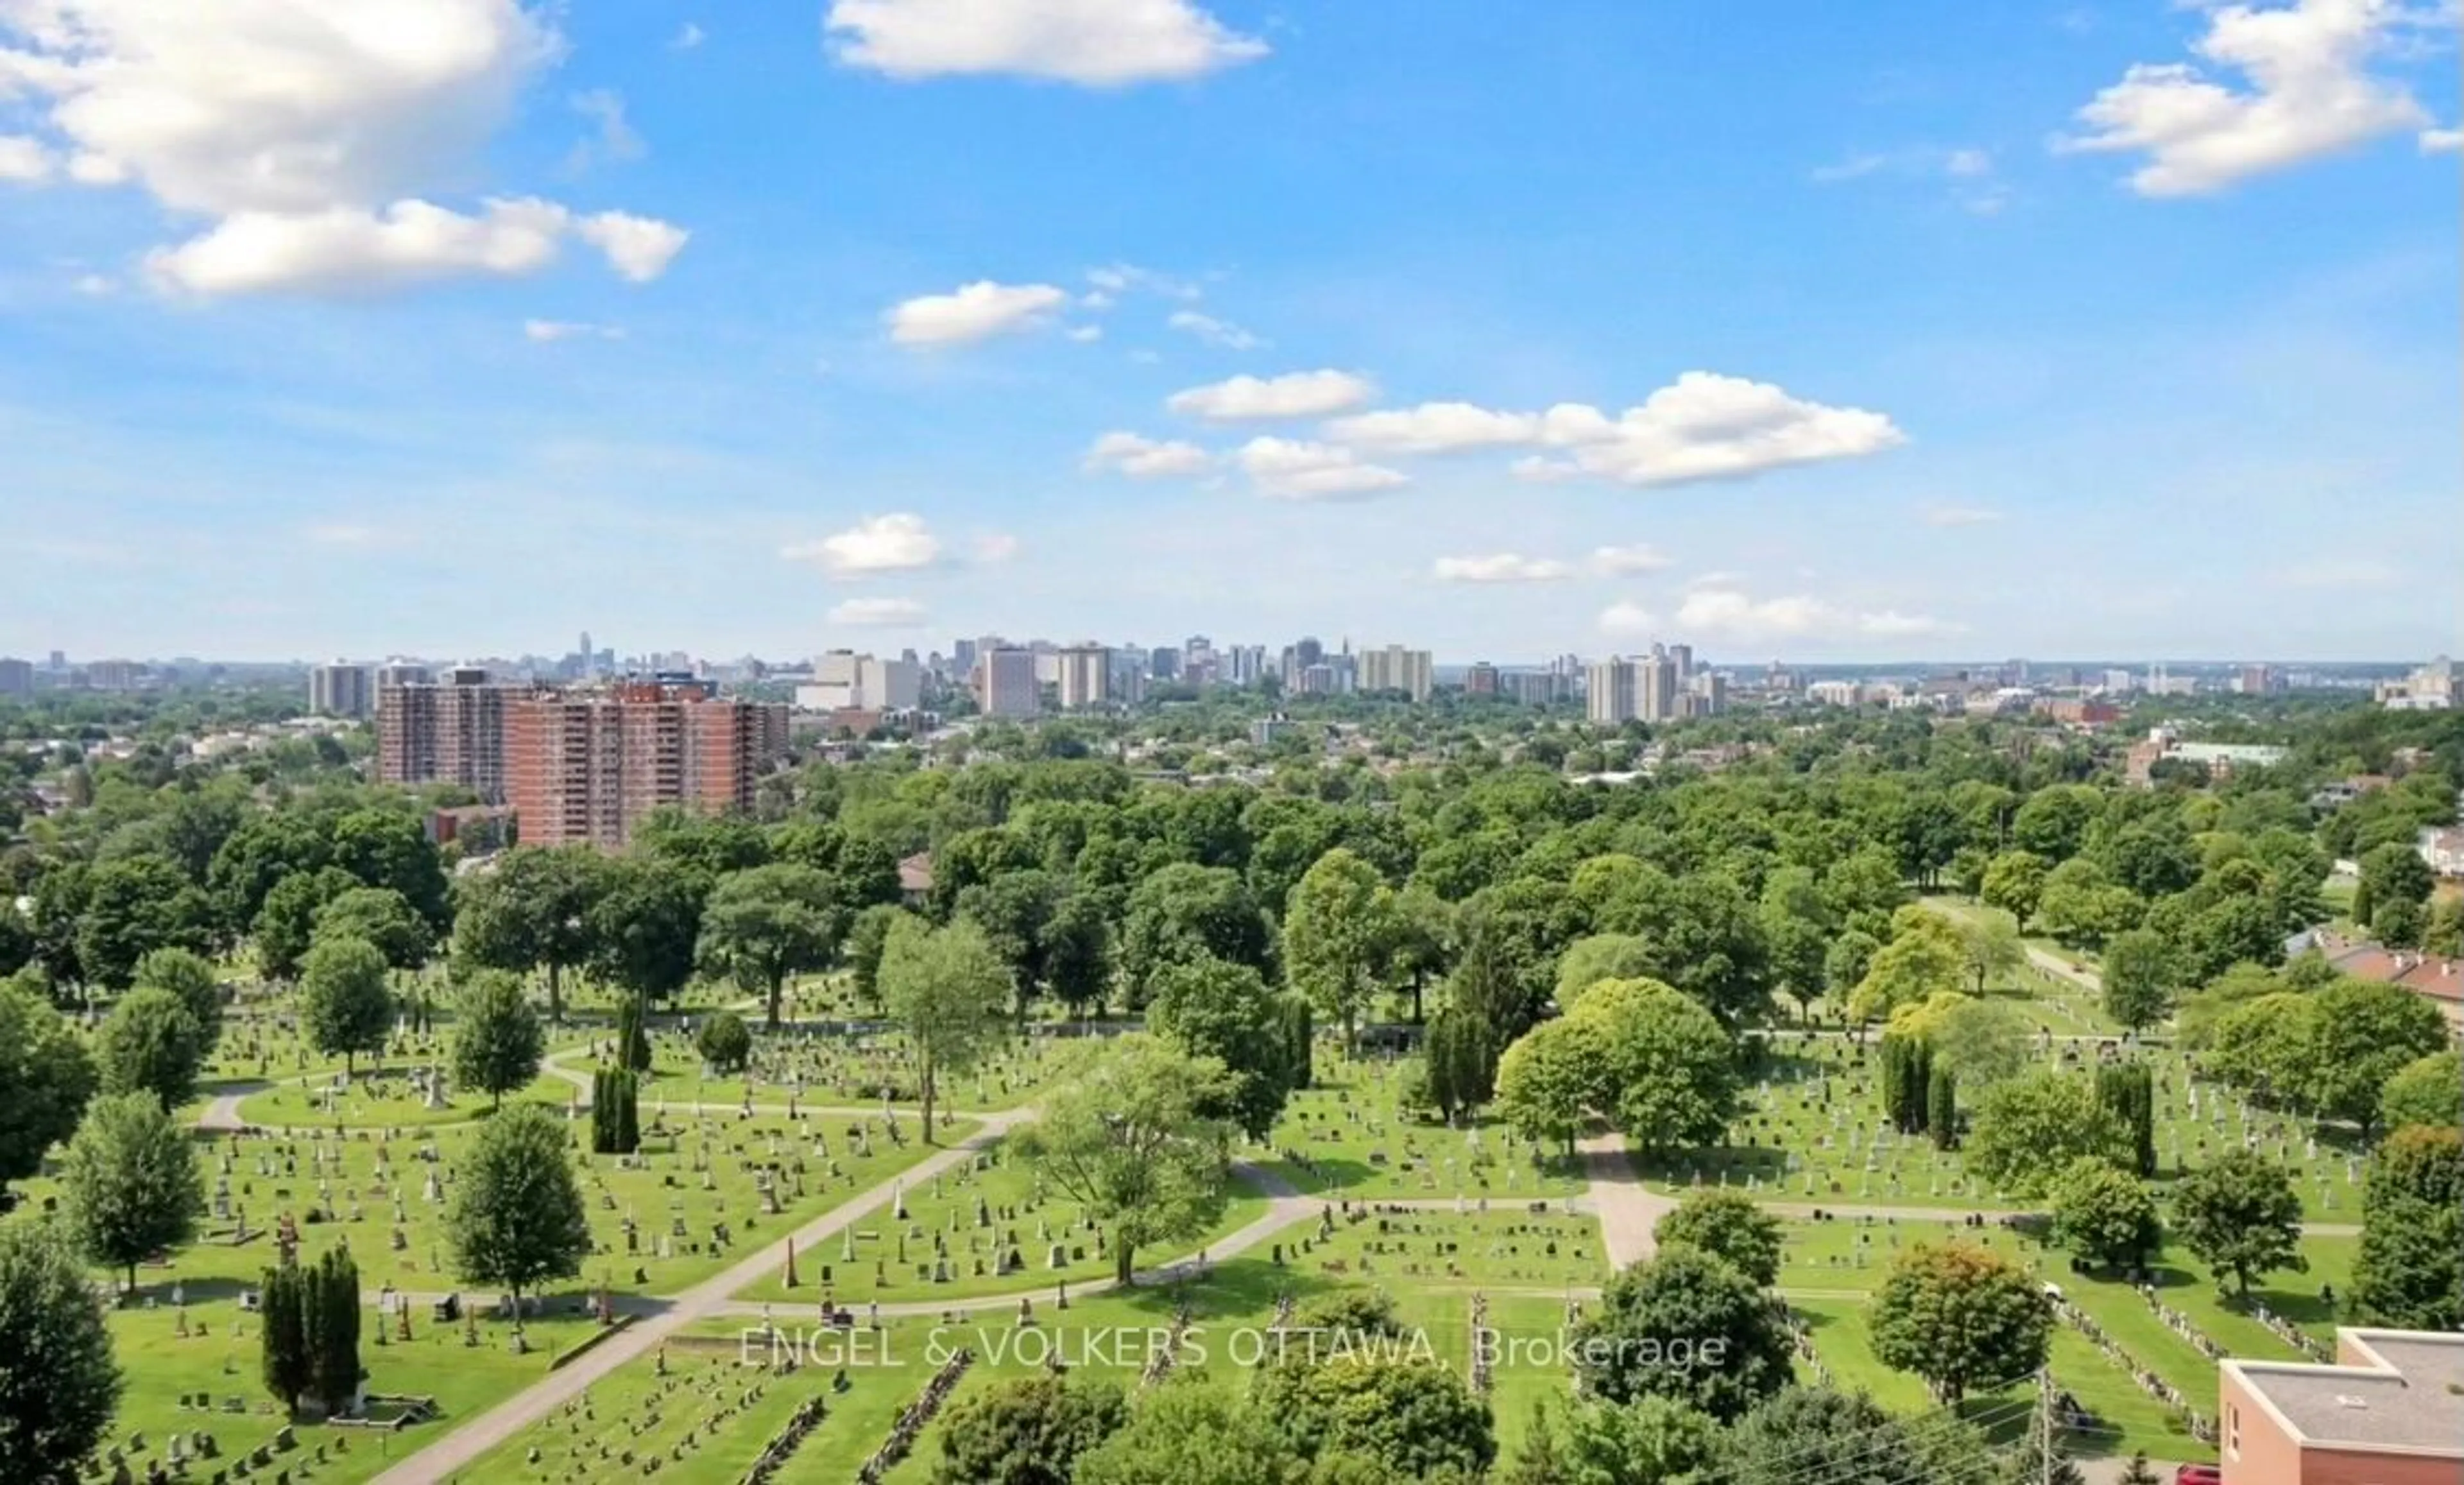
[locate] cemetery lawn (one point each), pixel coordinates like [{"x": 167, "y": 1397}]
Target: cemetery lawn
[
  {"x": 382, "y": 1098},
  {"x": 1810, "y": 1131},
  {"x": 1420, "y": 1250},
  {"x": 423, "y": 1265},
  {"x": 2123, "y": 1420},
  {"x": 1348, "y": 1136},
  {"x": 864, "y": 1264},
  {"x": 835, "y": 1070},
  {"x": 220, "y": 1358}
]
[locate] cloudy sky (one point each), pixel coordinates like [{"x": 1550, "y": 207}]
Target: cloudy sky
[{"x": 1798, "y": 328}]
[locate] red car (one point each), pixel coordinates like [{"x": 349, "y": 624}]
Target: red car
[{"x": 2198, "y": 1475}]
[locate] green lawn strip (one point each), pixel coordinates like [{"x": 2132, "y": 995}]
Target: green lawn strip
[
  {"x": 1811, "y": 1131},
  {"x": 833, "y": 1069},
  {"x": 1428, "y": 1250},
  {"x": 2191, "y": 1287},
  {"x": 219, "y": 1357},
  {"x": 1837, "y": 1328},
  {"x": 706, "y": 1420},
  {"x": 2127, "y": 1420},
  {"x": 381, "y": 1101},
  {"x": 216, "y": 1265},
  {"x": 1348, "y": 1135},
  {"x": 980, "y": 1216}
]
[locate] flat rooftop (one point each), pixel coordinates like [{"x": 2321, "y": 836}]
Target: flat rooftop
[{"x": 2412, "y": 1399}]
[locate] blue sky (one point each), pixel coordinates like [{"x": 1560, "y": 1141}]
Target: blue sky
[{"x": 1929, "y": 329}]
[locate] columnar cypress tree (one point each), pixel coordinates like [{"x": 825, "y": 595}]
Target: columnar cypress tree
[
  {"x": 601, "y": 1142},
  {"x": 333, "y": 1308},
  {"x": 1300, "y": 1026},
  {"x": 625, "y": 1128},
  {"x": 1894, "y": 1075},
  {"x": 632, "y": 1041},
  {"x": 2129, "y": 1090},
  {"x": 286, "y": 1365},
  {"x": 1942, "y": 1107}
]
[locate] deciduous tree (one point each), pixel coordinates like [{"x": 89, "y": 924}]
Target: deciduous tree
[
  {"x": 496, "y": 1036},
  {"x": 2239, "y": 1215},
  {"x": 151, "y": 1044},
  {"x": 516, "y": 1217},
  {"x": 1684, "y": 1303},
  {"x": 343, "y": 998},
  {"x": 62, "y": 1383},
  {"x": 130, "y": 1178},
  {"x": 1962, "y": 1318},
  {"x": 764, "y": 924},
  {"x": 46, "y": 1078},
  {"x": 2025, "y": 1131},
  {"x": 1728, "y": 1224},
  {"x": 948, "y": 990},
  {"x": 2105, "y": 1214},
  {"x": 1337, "y": 933},
  {"x": 1126, "y": 1135}
]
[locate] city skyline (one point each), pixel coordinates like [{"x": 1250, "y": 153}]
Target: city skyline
[{"x": 1943, "y": 333}]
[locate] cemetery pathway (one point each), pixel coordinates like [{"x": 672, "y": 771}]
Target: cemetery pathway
[
  {"x": 1627, "y": 1210},
  {"x": 459, "y": 1449}
]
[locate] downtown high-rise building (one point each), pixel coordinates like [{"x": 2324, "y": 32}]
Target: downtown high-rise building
[
  {"x": 1005, "y": 683},
  {"x": 16, "y": 678},
  {"x": 1394, "y": 668},
  {"x": 341, "y": 689},
  {"x": 1086, "y": 678},
  {"x": 1609, "y": 692}
]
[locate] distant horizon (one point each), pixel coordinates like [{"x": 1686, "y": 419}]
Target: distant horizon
[{"x": 2136, "y": 664}]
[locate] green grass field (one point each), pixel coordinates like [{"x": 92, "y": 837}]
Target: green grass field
[{"x": 1348, "y": 1136}]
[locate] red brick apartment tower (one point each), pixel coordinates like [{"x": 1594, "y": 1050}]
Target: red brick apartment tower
[{"x": 589, "y": 768}]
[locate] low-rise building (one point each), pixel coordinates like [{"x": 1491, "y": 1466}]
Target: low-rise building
[{"x": 2389, "y": 1411}]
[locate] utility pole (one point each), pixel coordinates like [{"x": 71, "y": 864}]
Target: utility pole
[{"x": 2045, "y": 1426}]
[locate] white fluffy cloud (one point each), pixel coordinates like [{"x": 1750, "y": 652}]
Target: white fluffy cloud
[
  {"x": 1960, "y": 516},
  {"x": 275, "y": 105},
  {"x": 974, "y": 312},
  {"x": 1500, "y": 567},
  {"x": 899, "y": 543},
  {"x": 1436, "y": 428},
  {"x": 350, "y": 248},
  {"x": 1296, "y": 394},
  {"x": 1703, "y": 426},
  {"x": 24, "y": 159},
  {"x": 2441, "y": 141},
  {"x": 1294, "y": 470},
  {"x": 638, "y": 247},
  {"x": 1145, "y": 458},
  {"x": 1213, "y": 331},
  {"x": 1094, "y": 43},
  {"x": 1730, "y": 614},
  {"x": 2310, "y": 93},
  {"x": 879, "y": 613},
  {"x": 1626, "y": 619},
  {"x": 308, "y": 132},
  {"x": 1626, "y": 560},
  {"x": 550, "y": 330}
]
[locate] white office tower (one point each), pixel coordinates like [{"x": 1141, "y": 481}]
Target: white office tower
[
  {"x": 1656, "y": 696},
  {"x": 1005, "y": 684},
  {"x": 1609, "y": 696},
  {"x": 340, "y": 690},
  {"x": 1086, "y": 678},
  {"x": 1397, "y": 668}
]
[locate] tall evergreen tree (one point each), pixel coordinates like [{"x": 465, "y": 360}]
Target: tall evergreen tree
[{"x": 2129, "y": 1091}]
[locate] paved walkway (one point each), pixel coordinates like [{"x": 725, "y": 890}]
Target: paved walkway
[
  {"x": 1628, "y": 1210},
  {"x": 459, "y": 1449}
]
